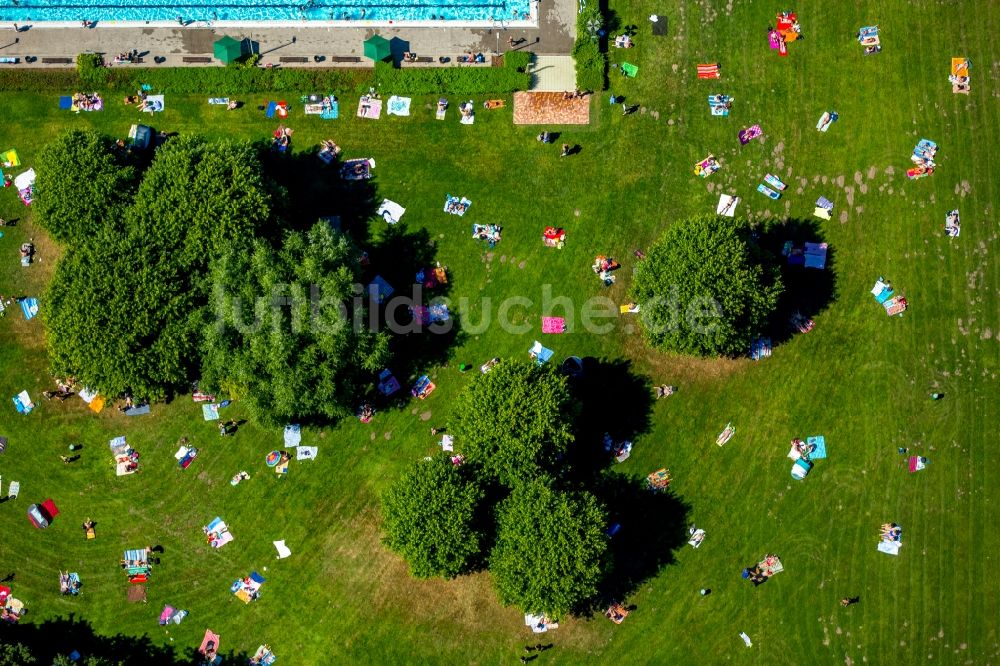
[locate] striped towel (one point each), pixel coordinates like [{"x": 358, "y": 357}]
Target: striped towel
[{"x": 710, "y": 71}]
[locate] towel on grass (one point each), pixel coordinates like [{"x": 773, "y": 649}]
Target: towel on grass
[
  {"x": 283, "y": 550},
  {"x": 399, "y": 106},
  {"x": 727, "y": 205},
  {"x": 818, "y": 444},
  {"x": 222, "y": 101},
  {"x": 29, "y": 307},
  {"x": 292, "y": 435},
  {"x": 210, "y": 411},
  {"x": 390, "y": 211},
  {"x": 369, "y": 108},
  {"x": 306, "y": 452},
  {"x": 553, "y": 324}
]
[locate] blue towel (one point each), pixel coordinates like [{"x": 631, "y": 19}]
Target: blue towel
[
  {"x": 819, "y": 447},
  {"x": 885, "y": 295},
  {"x": 137, "y": 411},
  {"x": 256, "y": 577},
  {"x": 29, "y": 306},
  {"x": 146, "y": 87},
  {"x": 65, "y": 103},
  {"x": 332, "y": 113},
  {"x": 271, "y": 108}
]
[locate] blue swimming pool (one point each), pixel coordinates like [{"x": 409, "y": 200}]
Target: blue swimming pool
[{"x": 196, "y": 11}]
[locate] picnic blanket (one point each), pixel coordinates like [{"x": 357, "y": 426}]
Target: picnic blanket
[
  {"x": 815, "y": 255},
  {"x": 727, "y": 205},
  {"x": 137, "y": 411},
  {"x": 25, "y": 184},
  {"x": 306, "y": 452},
  {"x": 456, "y": 205},
  {"x": 283, "y": 550},
  {"x": 387, "y": 383},
  {"x": 917, "y": 463},
  {"x": 209, "y": 642},
  {"x": 889, "y": 547},
  {"x": 719, "y": 104},
  {"x": 539, "y": 353},
  {"x": 390, "y": 211},
  {"x": 818, "y": 444},
  {"x": 749, "y": 134},
  {"x": 210, "y": 411},
  {"x": 706, "y": 167},
  {"x": 9, "y": 158},
  {"x": 292, "y": 434},
  {"x": 630, "y": 70},
  {"x": 357, "y": 169},
  {"x": 553, "y": 324},
  {"x": 399, "y": 106},
  {"x": 423, "y": 387},
  {"x": 952, "y": 224},
  {"x": 22, "y": 402},
  {"x": 380, "y": 288},
  {"x": 709, "y": 71},
  {"x": 65, "y": 102},
  {"x": 171, "y": 614},
  {"x": 153, "y": 104},
  {"x": 696, "y": 538},
  {"x": 468, "y": 113},
  {"x": 29, "y": 307},
  {"x": 369, "y": 108}
]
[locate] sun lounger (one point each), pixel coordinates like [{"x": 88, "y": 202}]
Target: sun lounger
[{"x": 725, "y": 435}]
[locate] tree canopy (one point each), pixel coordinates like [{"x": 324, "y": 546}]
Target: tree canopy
[
  {"x": 282, "y": 338},
  {"x": 514, "y": 421},
  {"x": 429, "y": 517},
  {"x": 550, "y": 547},
  {"x": 82, "y": 186},
  {"x": 127, "y": 307},
  {"x": 705, "y": 288}
]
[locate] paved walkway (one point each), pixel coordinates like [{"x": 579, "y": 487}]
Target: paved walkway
[
  {"x": 553, "y": 73},
  {"x": 550, "y": 108},
  {"x": 554, "y": 35}
]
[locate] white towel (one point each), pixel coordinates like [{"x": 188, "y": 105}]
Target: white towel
[
  {"x": 283, "y": 550},
  {"x": 746, "y": 639},
  {"x": 306, "y": 452}
]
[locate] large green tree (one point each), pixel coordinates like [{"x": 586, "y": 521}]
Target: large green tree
[
  {"x": 283, "y": 336},
  {"x": 550, "y": 547},
  {"x": 705, "y": 287},
  {"x": 82, "y": 186},
  {"x": 126, "y": 308},
  {"x": 514, "y": 421},
  {"x": 429, "y": 517}
]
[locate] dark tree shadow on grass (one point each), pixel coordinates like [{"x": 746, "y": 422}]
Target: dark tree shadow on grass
[
  {"x": 62, "y": 636},
  {"x": 807, "y": 291},
  {"x": 310, "y": 190},
  {"x": 611, "y": 399},
  {"x": 652, "y": 528}
]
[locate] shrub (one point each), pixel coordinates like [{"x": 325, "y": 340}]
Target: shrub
[{"x": 90, "y": 67}]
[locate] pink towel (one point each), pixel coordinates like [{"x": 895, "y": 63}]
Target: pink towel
[
  {"x": 772, "y": 39},
  {"x": 553, "y": 325}
]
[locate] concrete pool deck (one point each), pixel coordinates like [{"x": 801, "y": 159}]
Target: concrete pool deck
[{"x": 554, "y": 35}]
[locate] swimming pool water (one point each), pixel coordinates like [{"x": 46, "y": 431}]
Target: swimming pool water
[{"x": 193, "y": 11}]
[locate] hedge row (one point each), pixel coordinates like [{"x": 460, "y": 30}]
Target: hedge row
[
  {"x": 456, "y": 80},
  {"x": 237, "y": 79},
  {"x": 591, "y": 61}
]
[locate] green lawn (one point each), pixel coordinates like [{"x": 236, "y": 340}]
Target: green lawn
[{"x": 859, "y": 378}]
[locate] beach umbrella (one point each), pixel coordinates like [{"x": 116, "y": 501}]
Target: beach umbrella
[
  {"x": 227, "y": 49},
  {"x": 377, "y": 48}
]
